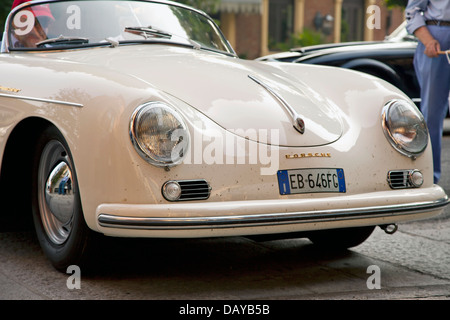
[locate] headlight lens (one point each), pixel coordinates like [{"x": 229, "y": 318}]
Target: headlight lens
[
  {"x": 405, "y": 128},
  {"x": 159, "y": 134}
]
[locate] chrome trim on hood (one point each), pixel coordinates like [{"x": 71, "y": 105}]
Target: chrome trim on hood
[{"x": 297, "y": 121}]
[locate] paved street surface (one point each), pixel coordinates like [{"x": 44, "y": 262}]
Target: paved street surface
[{"x": 414, "y": 263}]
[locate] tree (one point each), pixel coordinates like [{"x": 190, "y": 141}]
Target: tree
[
  {"x": 5, "y": 8},
  {"x": 394, "y": 3},
  {"x": 209, "y": 6}
]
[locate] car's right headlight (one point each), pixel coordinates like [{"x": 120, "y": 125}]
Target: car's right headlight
[
  {"x": 405, "y": 128},
  {"x": 159, "y": 134}
]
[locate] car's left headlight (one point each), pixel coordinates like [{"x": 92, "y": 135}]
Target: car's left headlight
[
  {"x": 159, "y": 134},
  {"x": 405, "y": 128}
]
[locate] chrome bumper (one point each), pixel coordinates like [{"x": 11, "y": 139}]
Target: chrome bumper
[{"x": 383, "y": 214}]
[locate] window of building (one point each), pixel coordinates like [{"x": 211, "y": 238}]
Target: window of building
[
  {"x": 281, "y": 22},
  {"x": 352, "y": 28}
]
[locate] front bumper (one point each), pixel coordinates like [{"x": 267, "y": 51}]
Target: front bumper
[{"x": 238, "y": 218}]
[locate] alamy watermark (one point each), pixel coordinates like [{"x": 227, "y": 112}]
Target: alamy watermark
[
  {"x": 374, "y": 280},
  {"x": 74, "y": 280},
  {"x": 234, "y": 147},
  {"x": 374, "y": 17}
]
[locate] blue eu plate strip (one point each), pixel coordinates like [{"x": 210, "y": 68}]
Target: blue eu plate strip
[{"x": 283, "y": 182}]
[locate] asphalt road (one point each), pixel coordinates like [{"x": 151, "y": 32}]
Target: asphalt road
[{"x": 413, "y": 263}]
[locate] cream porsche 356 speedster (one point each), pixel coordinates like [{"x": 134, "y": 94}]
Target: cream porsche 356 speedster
[{"x": 137, "y": 119}]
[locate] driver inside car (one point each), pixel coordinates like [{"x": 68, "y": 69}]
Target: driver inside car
[{"x": 31, "y": 25}]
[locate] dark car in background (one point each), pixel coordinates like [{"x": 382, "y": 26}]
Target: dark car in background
[{"x": 390, "y": 59}]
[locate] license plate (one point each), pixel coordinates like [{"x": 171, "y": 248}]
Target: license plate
[{"x": 311, "y": 180}]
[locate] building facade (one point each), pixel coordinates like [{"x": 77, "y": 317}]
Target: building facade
[{"x": 259, "y": 27}]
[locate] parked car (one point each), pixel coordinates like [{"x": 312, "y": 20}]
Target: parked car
[
  {"x": 390, "y": 59},
  {"x": 137, "y": 119}
]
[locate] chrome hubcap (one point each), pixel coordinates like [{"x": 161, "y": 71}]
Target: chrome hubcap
[{"x": 56, "y": 192}]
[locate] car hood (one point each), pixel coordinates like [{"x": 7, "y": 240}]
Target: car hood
[
  {"x": 221, "y": 88},
  {"x": 362, "y": 48}
]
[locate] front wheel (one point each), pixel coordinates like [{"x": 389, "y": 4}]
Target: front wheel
[{"x": 57, "y": 212}]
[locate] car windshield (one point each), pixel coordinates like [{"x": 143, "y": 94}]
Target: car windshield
[
  {"x": 400, "y": 34},
  {"x": 47, "y": 25}
]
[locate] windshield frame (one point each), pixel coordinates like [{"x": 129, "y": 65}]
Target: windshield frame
[
  {"x": 400, "y": 34},
  {"x": 6, "y": 46}
]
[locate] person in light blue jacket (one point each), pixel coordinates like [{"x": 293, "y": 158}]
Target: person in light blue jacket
[{"x": 429, "y": 21}]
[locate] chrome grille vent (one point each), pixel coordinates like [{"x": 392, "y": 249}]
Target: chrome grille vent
[
  {"x": 194, "y": 190},
  {"x": 189, "y": 190},
  {"x": 403, "y": 179}
]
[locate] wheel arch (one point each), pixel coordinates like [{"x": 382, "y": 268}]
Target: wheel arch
[{"x": 16, "y": 168}]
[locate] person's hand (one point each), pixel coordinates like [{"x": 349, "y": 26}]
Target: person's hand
[{"x": 432, "y": 48}]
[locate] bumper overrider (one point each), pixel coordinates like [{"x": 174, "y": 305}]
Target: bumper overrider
[{"x": 238, "y": 218}]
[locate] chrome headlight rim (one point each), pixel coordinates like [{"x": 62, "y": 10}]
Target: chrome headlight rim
[
  {"x": 395, "y": 142},
  {"x": 140, "y": 146}
]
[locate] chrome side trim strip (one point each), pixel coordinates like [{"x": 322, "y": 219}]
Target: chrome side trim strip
[
  {"x": 173, "y": 223},
  {"x": 297, "y": 121},
  {"x": 72, "y": 104}
]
